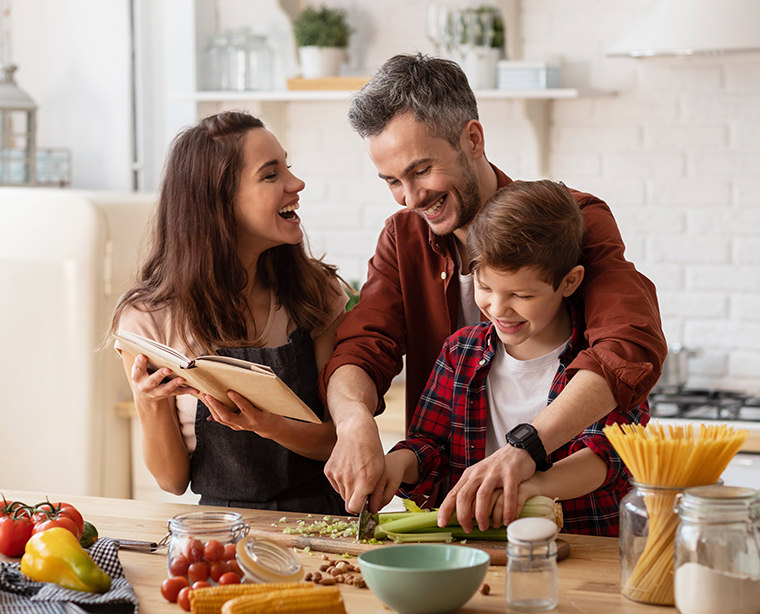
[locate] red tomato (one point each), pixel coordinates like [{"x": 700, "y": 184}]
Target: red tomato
[
  {"x": 61, "y": 521},
  {"x": 229, "y": 578},
  {"x": 216, "y": 569},
  {"x": 193, "y": 550},
  {"x": 232, "y": 565},
  {"x": 213, "y": 550},
  {"x": 171, "y": 587},
  {"x": 14, "y": 533},
  {"x": 200, "y": 584},
  {"x": 229, "y": 551},
  {"x": 178, "y": 565},
  {"x": 58, "y": 511},
  {"x": 183, "y": 598},
  {"x": 197, "y": 571}
]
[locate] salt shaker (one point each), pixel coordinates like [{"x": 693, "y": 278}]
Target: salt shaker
[{"x": 532, "y": 582}]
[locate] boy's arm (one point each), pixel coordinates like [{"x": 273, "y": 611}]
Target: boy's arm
[{"x": 572, "y": 477}]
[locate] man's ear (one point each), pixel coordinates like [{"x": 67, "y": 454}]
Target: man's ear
[
  {"x": 473, "y": 139},
  {"x": 572, "y": 280}
]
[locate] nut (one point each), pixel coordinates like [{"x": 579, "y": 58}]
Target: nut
[
  {"x": 327, "y": 580},
  {"x": 485, "y": 588}
]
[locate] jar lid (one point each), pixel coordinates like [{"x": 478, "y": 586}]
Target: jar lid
[
  {"x": 265, "y": 561},
  {"x": 531, "y": 530},
  {"x": 718, "y": 492},
  {"x": 717, "y": 502}
]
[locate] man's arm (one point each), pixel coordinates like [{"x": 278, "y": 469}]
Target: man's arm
[
  {"x": 586, "y": 399},
  {"x": 356, "y": 467}
]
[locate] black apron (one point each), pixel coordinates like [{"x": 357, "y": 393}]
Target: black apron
[{"x": 242, "y": 469}]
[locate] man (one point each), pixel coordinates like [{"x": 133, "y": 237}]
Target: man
[{"x": 419, "y": 120}]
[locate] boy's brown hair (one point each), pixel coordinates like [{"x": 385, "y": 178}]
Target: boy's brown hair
[{"x": 528, "y": 224}]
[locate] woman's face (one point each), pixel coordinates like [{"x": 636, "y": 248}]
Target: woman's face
[{"x": 267, "y": 197}]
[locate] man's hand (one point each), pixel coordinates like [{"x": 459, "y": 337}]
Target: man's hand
[
  {"x": 356, "y": 467},
  {"x": 475, "y": 494}
]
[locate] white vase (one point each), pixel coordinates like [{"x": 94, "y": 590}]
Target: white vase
[
  {"x": 321, "y": 61},
  {"x": 480, "y": 64}
]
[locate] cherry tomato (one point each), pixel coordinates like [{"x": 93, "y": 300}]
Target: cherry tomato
[
  {"x": 200, "y": 584},
  {"x": 229, "y": 551},
  {"x": 232, "y": 565},
  {"x": 183, "y": 598},
  {"x": 178, "y": 565},
  {"x": 14, "y": 533},
  {"x": 216, "y": 569},
  {"x": 197, "y": 571},
  {"x": 229, "y": 578},
  {"x": 171, "y": 587},
  {"x": 193, "y": 550},
  {"x": 213, "y": 550}
]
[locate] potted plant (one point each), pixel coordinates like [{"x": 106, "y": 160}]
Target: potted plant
[
  {"x": 483, "y": 45},
  {"x": 322, "y": 38}
]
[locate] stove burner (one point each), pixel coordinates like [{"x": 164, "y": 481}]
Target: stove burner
[{"x": 704, "y": 404}]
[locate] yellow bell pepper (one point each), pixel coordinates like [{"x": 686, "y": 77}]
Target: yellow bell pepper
[{"x": 54, "y": 555}]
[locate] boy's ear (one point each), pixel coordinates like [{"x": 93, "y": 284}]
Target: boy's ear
[{"x": 572, "y": 280}]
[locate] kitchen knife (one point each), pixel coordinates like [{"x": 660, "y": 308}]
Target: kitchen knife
[{"x": 367, "y": 523}]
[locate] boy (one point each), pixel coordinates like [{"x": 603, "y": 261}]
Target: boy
[{"x": 492, "y": 379}]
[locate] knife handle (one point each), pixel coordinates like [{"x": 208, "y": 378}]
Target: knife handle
[{"x": 137, "y": 546}]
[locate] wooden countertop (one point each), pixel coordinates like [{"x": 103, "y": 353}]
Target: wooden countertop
[{"x": 588, "y": 579}]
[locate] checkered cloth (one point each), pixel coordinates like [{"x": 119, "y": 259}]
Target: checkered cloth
[{"x": 20, "y": 595}]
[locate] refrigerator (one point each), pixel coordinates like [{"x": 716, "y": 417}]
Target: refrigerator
[{"x": 65, "y": 257}]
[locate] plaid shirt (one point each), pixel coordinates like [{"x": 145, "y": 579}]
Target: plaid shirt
[{"x": 448, "y": 431}]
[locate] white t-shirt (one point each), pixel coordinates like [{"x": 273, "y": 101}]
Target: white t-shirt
[
  {"x": 517, "y": 391},
  {"x": 156, "y": 325}
]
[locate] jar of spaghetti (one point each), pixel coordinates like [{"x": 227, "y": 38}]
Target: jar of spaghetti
[
  {"x": 717, "y": 555},
  {"x": 648, "y": 525}
]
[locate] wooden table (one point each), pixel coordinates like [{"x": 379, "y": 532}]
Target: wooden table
[{"x": 588, "y": 579}]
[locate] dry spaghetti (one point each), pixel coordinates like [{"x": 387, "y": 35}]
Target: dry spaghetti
[{"x": 668, "y": 458}]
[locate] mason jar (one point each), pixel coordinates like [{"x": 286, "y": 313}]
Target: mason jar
[
  {"x": 648, "y": 526},
  {"x": 532, "y": 580},
  {"x": 207, "y": 538},
  {"x": 259, "y": 76},
  {"x": 717, "y": 560}
]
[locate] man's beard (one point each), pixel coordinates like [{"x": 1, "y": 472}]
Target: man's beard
[{"x": 468, "y": 195}]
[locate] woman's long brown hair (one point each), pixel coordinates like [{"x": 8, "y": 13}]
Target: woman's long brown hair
[{"x": 192, "y": 266}]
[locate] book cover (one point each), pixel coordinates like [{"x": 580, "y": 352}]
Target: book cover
[{"x": 215, "y": 375}]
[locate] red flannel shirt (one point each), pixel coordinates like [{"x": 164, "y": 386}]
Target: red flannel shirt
[{"x": 448, "y": 431}]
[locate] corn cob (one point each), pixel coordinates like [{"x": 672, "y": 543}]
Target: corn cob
[
  {"x": 322, "y": 600},
  {"x": 209, "y": 600}
]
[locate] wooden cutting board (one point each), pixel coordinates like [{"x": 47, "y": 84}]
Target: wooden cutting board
[{"x": 349, "y": 545}]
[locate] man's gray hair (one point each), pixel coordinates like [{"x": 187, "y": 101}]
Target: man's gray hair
[{"x": 434, "y": 89}]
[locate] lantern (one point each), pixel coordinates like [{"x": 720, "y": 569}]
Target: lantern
[{"x": 18, "y": 126}]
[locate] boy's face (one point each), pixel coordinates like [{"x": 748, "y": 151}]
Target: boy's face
[{"x": 526, "y": 311}]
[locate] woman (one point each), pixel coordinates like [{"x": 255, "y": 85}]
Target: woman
[{"x": 228, "y": 273}]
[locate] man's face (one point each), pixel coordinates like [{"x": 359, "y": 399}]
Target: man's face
[{"x": 426, "y": 174}]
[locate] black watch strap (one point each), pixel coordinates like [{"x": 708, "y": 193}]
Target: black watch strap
[{"x": 525, "y": 436}]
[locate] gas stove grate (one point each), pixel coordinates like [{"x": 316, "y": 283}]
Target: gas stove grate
[{"x": 704, "y": 404}]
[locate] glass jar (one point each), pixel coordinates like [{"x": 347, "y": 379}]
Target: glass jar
[
  {"x": 259, "y": 76},
  {"x": 648, "y": 526},
  {"x": 237, "y": 60},
  {"x": 717, "y": 561},
  {"x": 265, "y": 561},
  {"x": 532, "y": 582},
  {"x": 197, "y": 536},
  {"x": 216, "y": 75}
]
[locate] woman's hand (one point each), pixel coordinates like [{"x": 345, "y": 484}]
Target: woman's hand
[
  {"x": 156, "y": 386},
  {"x": 248, "y": 417}
]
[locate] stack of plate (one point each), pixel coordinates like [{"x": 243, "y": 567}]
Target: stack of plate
[{"x": 515, "y": 75}]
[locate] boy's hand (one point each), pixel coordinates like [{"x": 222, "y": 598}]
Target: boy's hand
[{"x": 473, "y": 494}]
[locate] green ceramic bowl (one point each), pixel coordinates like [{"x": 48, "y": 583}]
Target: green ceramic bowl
[{"x": 424, "y": 578}]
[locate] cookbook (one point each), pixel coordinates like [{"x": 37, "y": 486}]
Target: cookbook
[{"x": 215, "y": 375}]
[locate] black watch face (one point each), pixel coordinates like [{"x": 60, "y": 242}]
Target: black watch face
[{"x": 521, "y": 431}]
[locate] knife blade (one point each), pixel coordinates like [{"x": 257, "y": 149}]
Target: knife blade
[{"x": 367, "y": 523}]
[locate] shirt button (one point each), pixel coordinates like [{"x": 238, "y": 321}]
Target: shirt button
[
  {"x": 443, "y": 274},
  {"x": 482, "y": 361}
]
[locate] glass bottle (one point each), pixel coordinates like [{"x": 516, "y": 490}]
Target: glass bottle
[
  {"x": 717, "y": 560},
  {"x": 647, "y": 533},
  {"x": 191, "y": 533},
  {"x": 532, "y": 582},
  {"x": 259, "y": 75}
]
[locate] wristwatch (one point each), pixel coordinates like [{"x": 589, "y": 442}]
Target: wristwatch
[{"x": 526, "y": 437}]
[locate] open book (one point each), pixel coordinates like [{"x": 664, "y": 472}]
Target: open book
[{"x": 215, "y": 375}]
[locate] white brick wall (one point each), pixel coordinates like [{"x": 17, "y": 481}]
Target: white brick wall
[{"x": 671, "y": 144}]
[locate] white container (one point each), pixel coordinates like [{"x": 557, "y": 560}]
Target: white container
[
  {"x": 319, "y": 62},
  {"x": 515, "y": 75}
]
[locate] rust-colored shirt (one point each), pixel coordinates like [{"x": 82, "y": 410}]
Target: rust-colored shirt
[{"x": 410, "y": 301}]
